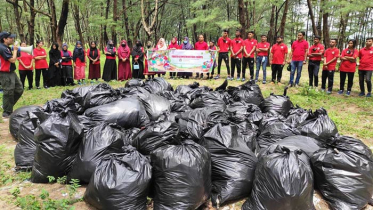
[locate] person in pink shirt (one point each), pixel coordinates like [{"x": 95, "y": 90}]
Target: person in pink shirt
[
  {"x": 200, "y": 45},
  {"x": 262, "y": 49},
  {"x": 79, "y": 63},
  {"x": 298, "y": 55}
]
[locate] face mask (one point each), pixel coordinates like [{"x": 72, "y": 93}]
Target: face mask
[
  {"x": 123, "y": 45},
  {"x": 185, "y": 42}
]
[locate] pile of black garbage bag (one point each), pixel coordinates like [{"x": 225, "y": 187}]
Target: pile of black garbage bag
[{"x": 187, "y": 147}]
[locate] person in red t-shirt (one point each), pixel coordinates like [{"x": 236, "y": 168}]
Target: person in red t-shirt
[
  {"x": 173, "y": 46},
  {"x": 201, "y": 45},
  {"x": 330, "y": 61},
  {"x": 236, "y": 54},
  {"x": 298, "y": 56},
  {"x": 262, "y": 49},
  {"x": 366, "y": 67},
  {"x": 277, "y": 58},
  {"x": 348, "y": 66},
  {"x": 26, "y": 67},
  {"x": 41, "y": 65},
  {"x": 315, "y": 53},
  {"x": 223, "y": 44},
  {"x": 67, "y": 66},
  {"x": 249, "y": 53}
]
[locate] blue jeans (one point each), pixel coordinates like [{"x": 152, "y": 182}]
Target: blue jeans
[
  {"x": 296, "y": 65},
  {"x": 259, "y": 62}
]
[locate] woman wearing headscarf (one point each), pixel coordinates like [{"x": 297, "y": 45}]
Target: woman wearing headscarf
[
  {"x": 124, "y": 66},
  {"x": 149, "y": 46},
  {"x": 138, "y": 60},
  {"x": 79, "y": 63},
  {"x": 161, "y": 45},
  {"x": 54, "y": 66},
  {"x": 93, "y": 55},
  {"x": 186, "y": 46},
  {"x": 67, "y": 66},
  {"x": 110, "y": 68},
  {"x": 173, "y": 46}
]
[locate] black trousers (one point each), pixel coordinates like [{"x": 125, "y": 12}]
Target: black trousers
[
  {"x": 367, "y": 77},
  {"x": 30, "y": 78},
  {"x": 249, "y": 61},
  {"x": 343, "y": 80},
  {"x": 223, "y": 56},
  {"x": 327, "y": 75},
  {"x": 277, "y": 72},
  {"x": 313, "y": 72},
  {"x": 236, "y": 63},
  {"x": 45, "y": 77}
]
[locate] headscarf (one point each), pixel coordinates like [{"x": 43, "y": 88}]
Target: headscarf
[
  {"x": 78, "y": 52},
  {"x": 54, "y": 54},
  {"x": 137, "y": 50},
  {"x": 123, "y": 51},
  {"x": 149, "y": 43},
  {"x": 65, "y": 53},
  {"x": 159, "y": 47},
  {"x": 187, "y": 46},
  {"x": 110, "y": 46},
  {"x": 93, "y": 52},
  {"x": 174, "y": 45}
]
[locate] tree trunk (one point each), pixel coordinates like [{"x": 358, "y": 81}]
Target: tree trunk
[
  {"x": 325, "y": 27},
  {"x": 342, "y": 34},
  {"x": 62, "y": 21},
  {"x": 319, "y": 31},
  {"x": 31, "y": 23},
  {"x": 283, "y": 19},
  {"x": 77, "y": 23},
  {"x": 125, "y": 17},
  {"x": 53, "y": 20},
  {"x": 115, "y": 19},
  {"x": 241, "y": 16},
  {"x": 18, "y": 16},
  {"x": 106, "y": 37},
  {"x": 310, "y": 12},
  {"x": 271, "y": 25}
]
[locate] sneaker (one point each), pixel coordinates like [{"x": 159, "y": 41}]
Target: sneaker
[
  {"x": 328, "y": 92},
  {"x": 238, "y": 79},
  {"x": 228, "y": 78},
  {"x": 362, "y": 94},
  {"x": 46, "y": 87},
  {"x": 79, "y": 83},
  {"x": 296, "y": 86},
  {"x": 217, "y": 77},
  {"x": 171, "y": 77},
  {"x": 243, "y": 79},
  {"x": 322, "y": 90},
  {"x": 369, "y": 95},
  {"x": 348, "y": 93},
  {"x": 38, "y": 88},
  {"x": 264, "y": 82},
  {"x": 6, "y": 115},
  {"x": 340, "y": 92}
]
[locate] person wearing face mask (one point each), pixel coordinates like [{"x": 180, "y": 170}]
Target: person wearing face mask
[
  {"x": 67, "y": 66},
  {"x": 277, "y": 59},
  {"x": 173, "y": 46},
  {"x": 110, "y": 67},
  {"x": 185, "y": 46},
  {"x": 79, "y": 63},
  {"x": 93, "y": 55},
  {"x": 149, "y": 46},
  {"x": 138, "y": 60},
  {"x": 54, "y": 66},
  {"x": 124, "y": 66}
]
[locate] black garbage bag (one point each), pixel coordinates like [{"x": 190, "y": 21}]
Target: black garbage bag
[
  {"x": 154, "y": 136},
  {"x": 135, "y": 83},
  {"x": 277, "y": 103},
  {"x": 155, "y": 105},
  {"x": 182, "y": 176},
  {"x": 306, "y": 144},
  {"x": 297, "y": 116},
  {"x": 97, "y": 142},
  {"x": 62, "y": 105},
  {"x": 120, "y": 181},
  {"x": 223, "y": 86},
  {"x": 177, "y": 104},
  {"x": 127, "y": 112},
  {"x": 283, "y": 181},
  {"x": 184, "y": 89},
  {"x": 57, "y": 139},
  {"x": 100, "y": 95},
  {"x": 232, "y": 164},
  {"x": 344, "y": 173},
  {"x": 318, "y": 126},
  {"x": 156, "y": 85},
  {"x": 189, "y": 94},
  {"x": 241, "y": 111},
  {"x": 78, "y": 93},
  {"x": 248, "y": 92},
  {"x": 18, "y": 116},
  {"x": 211, "y": 99},
  {"x": 131, "y": 91},
  {"x": 26, "y": 147}
]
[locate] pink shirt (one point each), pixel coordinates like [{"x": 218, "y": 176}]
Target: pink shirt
[{"x": 299, "y": 49}]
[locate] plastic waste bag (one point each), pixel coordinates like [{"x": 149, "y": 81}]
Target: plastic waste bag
[
  {"x": 99, "y": 96},
  {"x": 211, "y": 99},
  {"x": 157, "y": 85},
  {"x": 155, "y": 105},
  {"x": 18, "y": 116},
  {"x": 62, "y": 105},
  {"x": 297, "y": 116},
  {"x": 182, "y": 176},
  {"x": 307, "y": 144},
  {"x": 241, "y": 111},
  {"x": 120, "y": 181},
  {"x": 277, "y": 103},
  {"x": 248, "y": 92},
  {"x": 135, "y": 83}
]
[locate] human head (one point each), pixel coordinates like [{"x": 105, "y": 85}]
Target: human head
[
  {"x": 55, "y": 46},
  {"x": 149, "y": 44},
  {"x": 238, "y": 33},
  {"x": 138, "y": 43},
  {"x": 225, "y": 33},
  {"x": 301, "y": 35},
  {"x": 78, "y": 44},
  {"x": 160, "y": 42},
  {"x": 263, "y": 38},
  {"x": 280, "y": 39},
  {"x": 174, "y": 40},
  {"x": 201, "y": 38},
  {"x": 93, "y": 44},
  {"x": 23, "y": 44},
  {"x": 64, "y": 46},
  {"x": 186, "y": 40},
  {"x": 7, "y": 38},
  {"x": 212, "y": 43},
  {"x": 110, "y": 43},
  {"x": 316, "y": 39},
  {"x": 123, "y": 43},
  {"x": 369, "y": 42},
  {"x": 333, "y": 42},
  {"x": 39, "y": 43},
  {"x": 251, "y": 34},
  {"x": 352, "y": 43}
]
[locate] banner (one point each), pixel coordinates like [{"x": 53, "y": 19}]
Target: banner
[{"x": 200, "y": 61}]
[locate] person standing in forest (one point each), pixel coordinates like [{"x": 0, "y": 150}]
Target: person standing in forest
[
  {"x": 249, "y": 55},
  {"x": 9, "y": 80},
  {"x": 348, "y": 66},
  {"x": 79, "y": 63},
  {"x": 213, "y": 48},
  {"x": 314, "y": 54},
  {"x": 149, "y": 46},
  {"x": 297, "y": 58},
  {"x": 366, "y": 67},
  {"x": 54, "y": 66},
  {"x": 277, "y": 59},
  {"x": 41, "y": 65},
  {"x": 262, "y": 49},
  {"x": 224, "y": 46},
  {"x": 93, "y": 55},
  {"x": 236, "y": 54},
  {"x": 200, "y": 45},
  {"x": 110, "y": 67},
  {"x": 161, "y": 45},
  {"x": 138, "y": 60},
  {"x": 26, "y": 67},
  {"x": 173, "y": 46},
  {"x": 67, "y": 66},
  {"x": 124, "y": 65},
  {"x": 185, "y": 46},
  {"x": 331, "y": 56}
]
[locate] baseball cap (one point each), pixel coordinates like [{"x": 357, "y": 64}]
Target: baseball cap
[{"x": 6, "y": 34}]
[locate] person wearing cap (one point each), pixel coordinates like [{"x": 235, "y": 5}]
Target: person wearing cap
[
  {"x": 314, "y": 54},
  {"x": 278, "y": 54},
  {"x": 12, "y": 85}
]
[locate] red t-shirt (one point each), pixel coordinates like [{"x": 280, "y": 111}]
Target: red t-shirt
[
  {"x": 299, "y": 49},
  {"x": 279, "y": 51},
  {"x": 319, "y": 48},
  {"x": 201, "y": 46},
  {"x": 263, "y": 45},
  {"x": 237, "y": 44},
  {"x": 110, "y": 56},
  {"x": 176, "y": 46},
  {"x": 26, "y": 60},
  {"x": 42, "y": 63},
  {"x": 78, "y": 62},
  {"x": 224, "y": 46},
  {"x": 98, "y": 52},
  {"x": 67, "y": 63},
  {"x": 366, "y": 59},
  {"x": 348, "y": 66},
  {"x": 249, "y": 45},
  {"x": 329, "y": 55}
]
